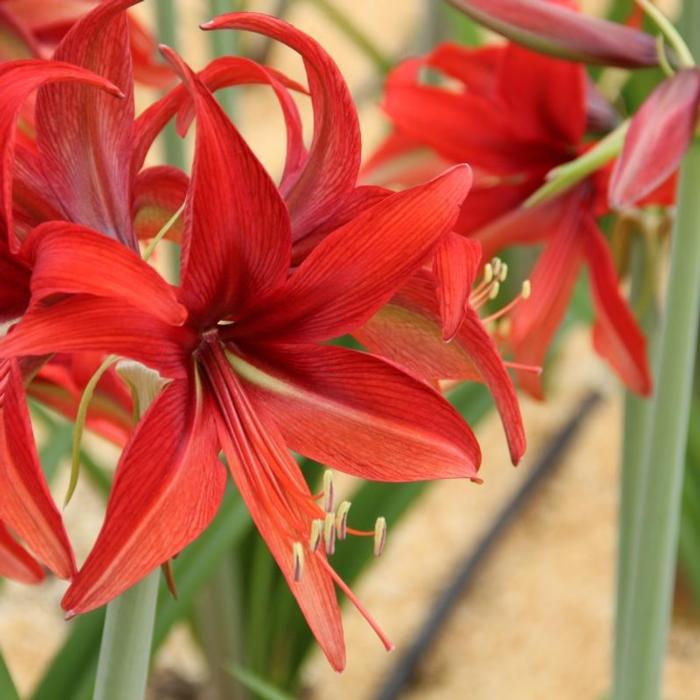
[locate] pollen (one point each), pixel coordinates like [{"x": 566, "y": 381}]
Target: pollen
[
  {"x": 329, "y": 533},
  {"x": 316, "y": 534},
  {"x": 379, "y": 536},
  {"x": 298, "y": 557},
  {"x": 341, "y": 520},
  {"x": 328, "y": 491}
]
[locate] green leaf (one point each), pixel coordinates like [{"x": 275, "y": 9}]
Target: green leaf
[
  {"x": 8, "y": 691},
  {"x": 258, "y": 685}
]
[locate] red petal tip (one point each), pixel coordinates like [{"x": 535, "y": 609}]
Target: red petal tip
[
  {"x": 211, "y": 24},
  {"x": 70, "y": 614}
]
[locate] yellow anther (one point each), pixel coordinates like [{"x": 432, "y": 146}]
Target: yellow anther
[
  {"x": 488, "y": 272},
  {"x": 316, "y": 534},
  {"x": 329, "y": 533},
  {"x": 496, "y": 266},
  {"x": 328, "y": 491},
  {"x": 495, "y": 289},
  {"x": 341, "y": 520},
  {"x": 526, "y": 290},
  {"x": 503, "y": 272},
  {"x": 298, "y": 557},
  {"x": 379, "y": 536}
]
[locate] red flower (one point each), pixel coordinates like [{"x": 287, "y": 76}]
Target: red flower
[
  {"x": 15, "y": 563},
  {"x": 516, "y": 116},
  {"x": 240, "y": 340},
  {"x": 33, "y": 28}
]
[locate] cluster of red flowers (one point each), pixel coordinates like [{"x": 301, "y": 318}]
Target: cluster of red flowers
[{"x": 270, "y": 272}]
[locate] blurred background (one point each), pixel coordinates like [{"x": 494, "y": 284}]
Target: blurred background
[{"x": 536, "y": 618}]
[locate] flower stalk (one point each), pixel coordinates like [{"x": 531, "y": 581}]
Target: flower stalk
[{"x": 649, "y": 586}]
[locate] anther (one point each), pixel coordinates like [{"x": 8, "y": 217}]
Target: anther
[
  {"x": 496, "y": 266},
  {"x": 316, "y": 534},
  {"x": 503, "y": 272},
  {"x": 341, "y": 520},
  {"x": 298, "y": 557},
  {"x": 379, "y": 536},
  {"x": 328, "y": 491},
  {"x": 488, "y": 272},
  {"x": 329, "y": 533},
  {"x": 526, "y": 290},
  {"x": 495, "y": 289}
]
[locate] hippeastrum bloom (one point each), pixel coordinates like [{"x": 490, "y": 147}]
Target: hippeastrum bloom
[
  {"x": 516, "y": 116},
  {"x": 241, "y": 341},
  {"x": 658, "y": 137},
  {"x": 555, "y": 27},
  {"x": 33, "y": 29}
]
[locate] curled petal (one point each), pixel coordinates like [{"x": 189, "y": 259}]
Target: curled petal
[
  {"x": 25, "y": 502},
  {"x": 18, "y": 79},
  {"x": 658, "y": 137},
  {"x": 167, "y": 488},
  {"x": 330, "y": 171},
  {"x": 355, "y": 412},
  {"x": 14, "y": 284},
  {"x": 84, "y": 136},
  {"x": 555, "y": 27}
]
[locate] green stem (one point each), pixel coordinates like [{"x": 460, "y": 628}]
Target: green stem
[
  {"x": 636, "y": 422},
  {"x": 356, "y": 35},
  {"x": 566, "y": 176},
  {"x": 125, "y": 652},
  {"x": 652, "y": 569}
]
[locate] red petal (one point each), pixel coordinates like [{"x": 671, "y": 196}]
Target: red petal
[
  {"x": 355, "y": 412},
  {"x": 407, "y": 331},
  {"x": 88, "y": 323},
  {"x": 359, "y": 266},
  {"x": 14, "y": 285},
  {"x": 658, "y": 137},
  {"x": 557, "y": 28},
  {"x": 71, "y": 259},
  {"x": 85, "y": 137},
  {"x": 549, "y": 96},
  {"x": 535, "y": 320},
  {"x": 616, "y": 334},
  {"x": 333, "y": 164},
  {"x": 168, "y": 486},
  {"x": 477, "y": 68},
  {"x": 279, "y": 502},
  {"x": 18, "y": 79},
  {"x": 158, "y": 193},
  {"x": 25, "y": 502},
  {"x": 456, "y": 266},
  {"x": 222, "y": 72},
  {"x": 237, "y": 240},
  {"x": 144, "y": 50},
  {"x": 15, "y": 563}
]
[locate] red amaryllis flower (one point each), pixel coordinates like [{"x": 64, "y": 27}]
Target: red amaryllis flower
[
  {"x": 240, "y": 341},
  {"x": 517, "y": 115},
  {"x": 33, "y": 29}
]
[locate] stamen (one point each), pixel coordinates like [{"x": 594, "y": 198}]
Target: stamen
[
  {"x": 316, "y": 534},
  {"x": 488, "y": 273},
  {"x": 503, "y": 273},
  {"x": 341, "y": 520},
  {"x": 524, "y": 294},
  {"x": 329, "y": 533},
  {"x": 496, "y": 266},
  {"x": 522, "y": 367},
  {"x": 328, "y": 491},
  {"x": 298, "y": 556},
  {"x": 495, "y": 289},
  {"x": 379, "y": 536}
]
